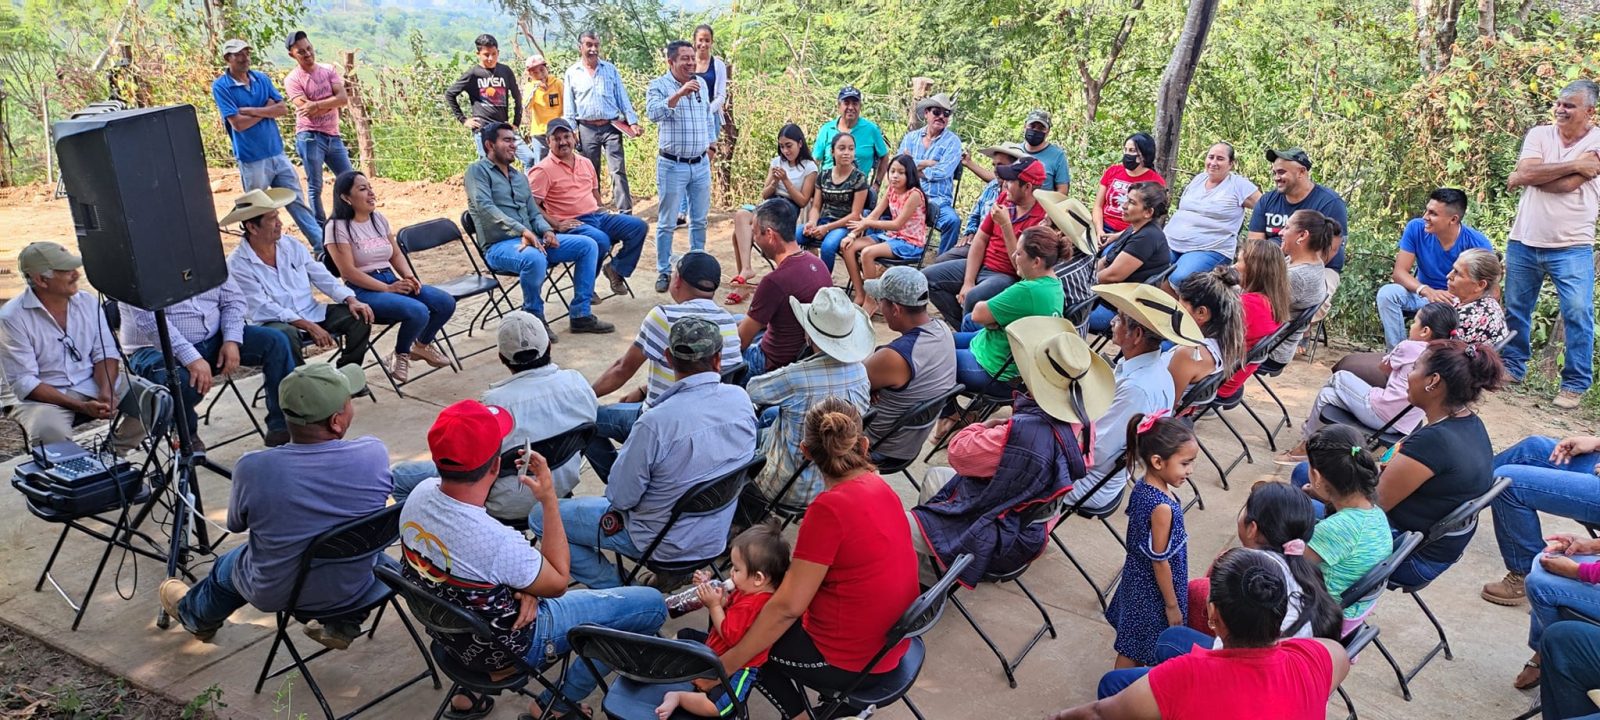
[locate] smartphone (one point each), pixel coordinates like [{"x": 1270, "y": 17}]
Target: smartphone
[{"x": 527, "y": 452}]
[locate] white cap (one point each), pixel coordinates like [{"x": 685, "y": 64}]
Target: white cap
[{"x": 521, "y": 332}]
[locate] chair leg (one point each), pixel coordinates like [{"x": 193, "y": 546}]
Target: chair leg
[
  {"x": 1197, "y": 500},
  {"x": 1284, "y": 421},
  {"x": 427, "y": 657},
  {"x": 277, "y": 638},
  {"x": 914, "y": 484},
  {"x": 1244, "y": 447},
  {"x": 916, "y": 712},
  {"x": 1272, "y": 439},
  {"x": 443, "y": 706},
  {"x": 1005, "y": 663},
  {"x": 1405, "y": 684},
  {"x": 1098, "y": 593},
  {"x": 99, "y": 569},
  {"x": 65, "y": 528},
  {"x": 305, "y": 674},
  {"x": 1349, "y": 706},
  {"x": 1442, "y": 646}
]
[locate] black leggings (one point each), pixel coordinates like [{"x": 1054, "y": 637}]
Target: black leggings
[{"x": 795, "y": 658}]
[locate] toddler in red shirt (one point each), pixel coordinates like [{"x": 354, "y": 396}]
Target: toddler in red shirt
[{"x": 760, "y": 557}]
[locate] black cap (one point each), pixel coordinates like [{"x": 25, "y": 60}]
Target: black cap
[
  {"x": 294, "y": 37},
  {"x": 557, "y": 124},
  {"x": 701, "y": 271},
  {"x": 849, "y": 92},
  {"x": 1292, "y": 155}
]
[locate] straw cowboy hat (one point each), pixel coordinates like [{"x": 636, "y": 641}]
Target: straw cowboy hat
[
  {"x": 1153, "y": 309},
  {"x": 1069, "y": 381},
  {"x": 1071, "y": 217},
  {"x": 257, "y": 203},
  {"x": 1011, "y": 150},
  {"x": 835, "y": 325}
]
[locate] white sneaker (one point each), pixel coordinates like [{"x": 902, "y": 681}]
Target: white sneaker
[{"x": 399, "y": 367}]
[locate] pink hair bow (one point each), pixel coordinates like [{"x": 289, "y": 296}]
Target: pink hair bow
[
  {"x": 1294, "y": 547},
  {"x": 1149, "y": 421}
]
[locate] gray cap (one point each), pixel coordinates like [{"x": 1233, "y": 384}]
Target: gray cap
[
  {"x": 555, "y": 124},
  {"x": 520, "y": 334},
  {"x": 901, "y": 285},
  {"x": 694, "y": 339}
]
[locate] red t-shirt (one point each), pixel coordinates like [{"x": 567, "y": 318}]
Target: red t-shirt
[
  {"x": 1116, "y": 181},
  {"x": 995, "y": 256},
  {"x": 859, "y": 530},
  {"x": 1258, "y": 323},
  {"x": 738, "y": 615},
  {"x": 800, "y": 275},
  {"x": 1289, "y": 681}
]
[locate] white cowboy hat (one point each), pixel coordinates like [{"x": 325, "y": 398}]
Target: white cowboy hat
[
  {"x": 835, "y": 325},
  {"x": 1069, "y": 381},
  {"x": 1154, "y": 309},
  {"x": 1071, "y": 218},
  {"x": 257, "y": 203}
]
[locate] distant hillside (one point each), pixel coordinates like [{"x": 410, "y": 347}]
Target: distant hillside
[{"x": 383, "y": 30}]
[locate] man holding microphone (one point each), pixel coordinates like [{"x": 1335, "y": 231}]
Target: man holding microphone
[{"x": 679, "y": 103}]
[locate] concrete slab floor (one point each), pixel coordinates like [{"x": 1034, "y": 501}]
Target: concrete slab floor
[{"x": 961, "y": 679}]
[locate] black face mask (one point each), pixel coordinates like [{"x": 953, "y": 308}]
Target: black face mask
[
  {"x": 1130, "y": 161},
  {"x": 1033, "y": 137}
]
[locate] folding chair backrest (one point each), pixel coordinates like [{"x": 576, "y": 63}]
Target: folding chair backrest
[
  {"x": 1466, "y": 516},
  {"x": 1079, "y": 314},
  {"x": 1201, "y": 392},
  {"x": 436, "y": 615},
  {"x": 349, "y": 540},
  {"x": 427, "y": 235},
  {"x": 1117, "y": 467},
  {"x": 645, "y": 658},
  {"x": 1376, "y": 581},
  {"x": 925, "y": 610},
  {"x": 922, "y": 413},
  {"x": 736, "y": 375},
  {"x": 557, "y": 450},
  {"x": 1299, "y": 322},
  {"x": 715, "y": 494},
  {"x": 468, "y": 225}
]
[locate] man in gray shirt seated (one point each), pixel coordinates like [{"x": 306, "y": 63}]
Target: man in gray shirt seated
[
  {"x": 285, "y": 496},
  {"x": 699, "y": 430}
]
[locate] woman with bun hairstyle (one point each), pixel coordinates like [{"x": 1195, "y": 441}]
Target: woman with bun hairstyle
[
  {"x": 1253, "y": 675},
  {"x": 854, "y": 572},
  {"x": 1353, "y": 537}
]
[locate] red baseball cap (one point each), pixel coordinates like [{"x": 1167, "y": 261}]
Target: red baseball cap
[
  {"x": 467, "y": 434},
  {"x": 1028, "y": 170}
]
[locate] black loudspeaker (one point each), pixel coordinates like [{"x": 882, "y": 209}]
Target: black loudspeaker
[{"x": 141, "y": 204}]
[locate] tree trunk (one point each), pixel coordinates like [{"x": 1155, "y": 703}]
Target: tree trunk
[
  {"x": 921, "y": 89},
  {"x": 1486, "y": 12},
  {"x": 359, "y": 114},
  {"x": 1094, "y": 84},
  {"x": 1175, "y": 82},
  {"x": 1523, "y": 10},
  {"x": 722, "y": 154},
  {"x": 5, "y": 141},
  {"x": 1436, "y": 32}
]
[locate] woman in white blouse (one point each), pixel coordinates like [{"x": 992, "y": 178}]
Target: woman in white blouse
[{"x": 1204, "y": 232}]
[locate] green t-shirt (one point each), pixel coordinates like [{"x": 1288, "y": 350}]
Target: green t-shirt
[
  {"x": 1351, "y": 542},
  {"x": 870, "y": 145},
  {"x": 1025, "y": 298}
]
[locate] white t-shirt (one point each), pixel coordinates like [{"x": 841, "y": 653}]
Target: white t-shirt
[
  {"x": 1557, "y": 220},
  {"x": 1209, "y": 218},
  {"x": 462, "y": 539},
  {"x": 797, "y": 174}
]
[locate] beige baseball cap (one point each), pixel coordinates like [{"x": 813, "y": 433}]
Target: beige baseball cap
[
  {"x": 235, "y": 45},
  {"x": 522, "y": 332},
  {"x": 46, "y": 256}
]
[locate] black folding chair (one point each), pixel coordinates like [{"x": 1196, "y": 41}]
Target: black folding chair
[
  {"x": 500, "y": 301},
  {"x": 1041, "y": 513},
  {"x": 1376, "y": 439},
  {"x": 1196, "y": 399},
  {"x": 887, "y": 688},
  {"x": 707, "y": 498},
  {"x": 230, "y": 385},
  {"x": 557, "y": 450},
  {"x": 922, "y": 414},
  {"x": 644, "y": 664},
  {"x": 1081, "y": 508},
  {"x": 353, "y": 539},
  {"x": 736, "y": 375},
  {"x": 1266, "y": 369},
  {"x": 1368, "y": 588},
  {"x": 442, "y": 620},
  {"x": 1460, "y": 520},
  {"x": 430, "y": 234}
]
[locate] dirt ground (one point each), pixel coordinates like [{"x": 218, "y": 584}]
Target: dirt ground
[{"x": 40, "y": 682}]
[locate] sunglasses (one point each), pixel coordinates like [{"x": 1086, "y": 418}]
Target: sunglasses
[
  {"x": 939, "y": 112},
  {"x": 72, "y": 349}
]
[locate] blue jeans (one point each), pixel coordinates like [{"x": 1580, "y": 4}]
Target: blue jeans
[
  {"x": 1175, "y": 641},
  {"x": 1419, "y": 571},
  {"x": 526, "y": 154},
  {"x": 613, "y": 422},
  {"x": 1571, "y": 270},
  {"x": 948, "y": 222},
  {"x": 420, "y": 316},
  {"x": 531, "y": 265},
  {"x": 1195, "y": 261},
  {"x": 1538, "y": 485},
  {"x": 1548, "y": 593},
  {"x": 612, "y": 229},
  {"x": 1100, "y": 319},
  {"x": 632, "y": 609},
  {"x": 316, "y": 150},
  {"x": 276, "y": 172},
  {"x": 263, "y": 347},
  {"x": 674, "y": 181},
  {"x": 754, "y": 357},
  {"x": 970, "y": 373},
  {"x": 828, "y": 246},
  {"x": 1393, "y": 304},
  {"x": 1300, "y": 477},
  {"x": 208, "y": 604},
  {"x": 407, "y": 475},
  {"x": 581, "y": 518},
  {"x": 1571, "y": 656}
]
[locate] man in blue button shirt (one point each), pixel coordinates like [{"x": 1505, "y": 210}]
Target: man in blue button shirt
[
  {"x": 937, "y": 152},
  {"x": 250, "y": 108},
  {"x": 680, "y": 105},
  {"x": 1431, "y": 243},
  {"x": 594, "y": 98}
]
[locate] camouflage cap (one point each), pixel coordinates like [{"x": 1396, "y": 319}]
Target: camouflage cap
[{"x": 694, "y": 339}]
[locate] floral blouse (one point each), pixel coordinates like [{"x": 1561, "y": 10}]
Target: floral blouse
[{"x": 1482, "y": 321}]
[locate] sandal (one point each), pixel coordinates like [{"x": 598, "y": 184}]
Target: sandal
[
  {"x": 734, "y": 298},
  {"x": 581, "y": 712},
  {"x": 1527, "y": 680},
  {"x": 482, "y": 705}
]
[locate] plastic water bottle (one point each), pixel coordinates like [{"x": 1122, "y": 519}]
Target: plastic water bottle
[{"x": 687, "y": 600}]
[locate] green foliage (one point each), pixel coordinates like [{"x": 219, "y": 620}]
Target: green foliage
[{"x": 204, "y": 705}]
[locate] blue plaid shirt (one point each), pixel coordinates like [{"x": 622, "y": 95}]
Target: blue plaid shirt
[
  {"x": 220, "y": 309},
  {"x": 687, "y": 129},
  {"x": 600, "y": 96},
  {"x": 794, "y": 388},
  {"x": 939, "y": 180},
  {"x": 986, "y": 200}
]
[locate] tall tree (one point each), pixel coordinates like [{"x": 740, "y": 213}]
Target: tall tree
[
  {"x": 1081, "y": 22},
  {"x": 1436, "y": 32},
  {"x": 1175, "y": 81}
]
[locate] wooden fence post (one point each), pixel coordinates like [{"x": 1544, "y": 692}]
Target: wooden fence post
[
  {"x": 5, "y": 141},
  {"x": 359, "y": 114},
  {"x": 921, "y": 88}
]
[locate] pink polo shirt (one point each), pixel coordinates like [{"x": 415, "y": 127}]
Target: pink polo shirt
[
  {"x": 564, "y": 191},
  {"x": 315, "y": 85}
]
